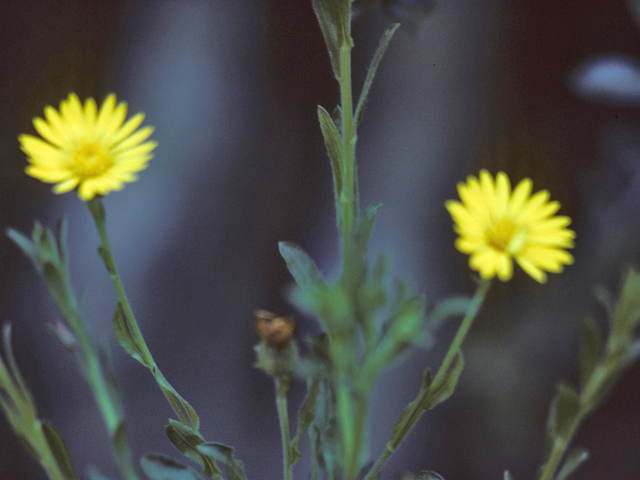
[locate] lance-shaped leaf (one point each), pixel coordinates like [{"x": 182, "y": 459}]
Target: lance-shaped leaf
[
  {"x": 575, "y": 458},
  {"x": 565, "y": 408},
  {"x": 306, "y": 415},
  {"x": 334, "y": 19},
  {"x": 302, "y": 268},
  {"x": 439, "y": 392},
  {"x": 186, "y": 440},
  {"x": 366, "y": 227},
  {"x": 590, "y": 347},
  {"x": 124, "y": 336},
  {"x": 224, "y": 454},
  {"x": 333, "y": 142},
  {"x": 59, "y": 450},
  {"x": 160, "y": 467},
  {"x": 373, "y": 68}
]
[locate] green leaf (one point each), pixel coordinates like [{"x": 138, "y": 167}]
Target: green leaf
[
  {"x": 333, "y": 143},
  {"x": 565, "y": 408},
  {"x": 400, "y": 425},
  {"x": 186, "y": 440},
  {"x": 160, "y": 467},
  {"x": 439, "y": 392},
  {"x": 373, "y": 68},
  {"x": 124, "y": 335},
  {"x": 447, "y": 308},
  {"x": 590, "y": 346},
  {"x": 224, "y": 454},
  {"x": 507, "y": 475},
  {"x": 59, "y": 450},
  {"x": 182, "y": 408},
  {"x": 27, "y": 246},
  {"x": 63, "y": 228},
  {"x": 428, "y": 475},
  {"x": 302, "y": 268},
  {"x": 366, "y": 227},
  {"x": 306, "y": 415},
  {"x": 334, "y": 18},
  {"x": 574, "y": 459},
  {"x": 94, "y": 474}
]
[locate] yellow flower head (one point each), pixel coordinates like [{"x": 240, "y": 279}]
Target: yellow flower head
[
  {"x": 86, "y": 148},
  {"x": 496, "y": 226}
]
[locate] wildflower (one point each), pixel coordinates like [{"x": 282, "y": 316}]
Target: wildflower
[
  {"x": 272, "y": 329},
  {"x": 496, "y": 226},
  {"x": 87, "y": 148}
]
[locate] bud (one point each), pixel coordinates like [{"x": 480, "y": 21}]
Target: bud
[{"x": 277, "y": 354}]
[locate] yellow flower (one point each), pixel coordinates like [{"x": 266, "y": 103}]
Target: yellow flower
[
  {"x": 496, "y": 226},
  {"x": 87, "y": 148}
]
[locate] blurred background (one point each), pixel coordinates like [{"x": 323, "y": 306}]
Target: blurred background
[{"x": 537, "y": 88}]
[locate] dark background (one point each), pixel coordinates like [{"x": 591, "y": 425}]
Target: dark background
[{"x": 232, "y": 89}]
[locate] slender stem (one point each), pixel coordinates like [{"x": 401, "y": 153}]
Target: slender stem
[
  {"x": 282, "y": 387},
  {"x": 404, "y": 429},
  {"x": 350, "y": 218},
  {"x": 107, "y": 402}
]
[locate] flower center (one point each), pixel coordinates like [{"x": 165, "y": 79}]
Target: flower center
[
  {"x": 90, "y": 161},
  {"x": 506, "y": 237}
]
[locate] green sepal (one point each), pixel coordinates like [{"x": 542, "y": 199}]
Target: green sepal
[
  {"x": 124, "y": 335},
  {"x": 224, "y": 454},
  {"x": 590, "y": 348},
  {"x": 302, "y": 268},
  {"x": 306, "y": 415},
  {"x": 373, "y": 68},
  {"x": 333, "y": 143},
  {"x": 575, "y": 458},
  {"x": 366, "y": 227},
  {"x": 334, "y": 18},
  {"x": 59, "y": 450},
  {"x": 160, "y": 467},
  {"x": 186, "y": 440}
]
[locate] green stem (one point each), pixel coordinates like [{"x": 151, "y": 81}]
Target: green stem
[
  {"x": 97, "y": 211},
  {"x": 404, "y": 429},
  {"x": 103, "y": 393},
  {"x": 282, "y": 387},
  {"x": 350, "y": 217}
]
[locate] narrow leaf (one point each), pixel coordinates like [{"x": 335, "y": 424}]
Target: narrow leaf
[
  {"x": 373, "y": 68},
  {"x": 124, "y": 335},
  {"x": 565, "y": 407},
  {"x": 94, "y": 474},
  {"x": 590, "y": 346},
  {"x": 366, "y": 227},
  {"x": 575, "y": 458},
  {"x": 179, "y": 404},
  {"x": 400, "y": 425},
  {"x": 334, "y": 18},
  {"x": 224, "y": 454},
  {"x": 333, "y": 143},
  {"x": 186, "y": 440},
  {"x": 302, "y": 268},
  {"x": 428, "y": 475},
  {"x": 59, "y": 450},
  {"x": 160, "y": 467},
  {"x": 26, "y": 245},
  {"x": 306, "y": 415},
  {"x": 438, "y": 393}
]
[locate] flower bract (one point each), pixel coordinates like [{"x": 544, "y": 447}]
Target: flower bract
[
  {"x": 497, "y": 226},
  {"x": 93, "y": 150}
]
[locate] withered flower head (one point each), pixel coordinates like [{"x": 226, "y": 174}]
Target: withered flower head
[{"x": 273, "y": 330}]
